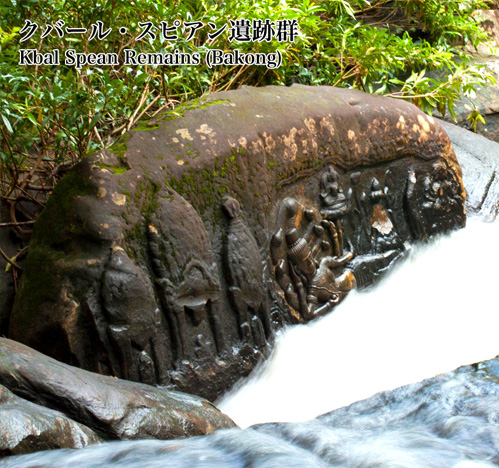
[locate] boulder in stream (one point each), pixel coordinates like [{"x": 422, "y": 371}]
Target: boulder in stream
[
  {"x": 448, "y": 421},
  {"x": 172, "y": 257},
  {"x": 26, "y": 427},
  {"x": 115, "y": 409}
]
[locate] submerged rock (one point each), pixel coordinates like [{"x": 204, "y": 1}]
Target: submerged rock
[
  {"x": 172, "y": 257},
  {"x": 444, "y": 422},
  {"x": 116, "y": 409}
]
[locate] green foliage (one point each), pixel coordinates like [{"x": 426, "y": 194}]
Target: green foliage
[{"x": 61, "y": 113}]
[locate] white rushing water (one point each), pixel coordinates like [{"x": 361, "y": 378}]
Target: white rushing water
[{"x": 436, "y": 311}]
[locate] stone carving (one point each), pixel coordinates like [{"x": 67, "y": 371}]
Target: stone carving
[
  {"x": 133, "y": 322},
  {"x": 441, "y": 189},
  {"x": 393, "y": 203},
  {"x": 244, "y": 273},
  {"x": 381, "y": 224},
  {"x": 307, "y": 252},
  {"x": 441, "y": 193},
  {"x": 334, "y": 206},
  {"x": 139, "y": 268},
  {"x": 186, "y": 280}
]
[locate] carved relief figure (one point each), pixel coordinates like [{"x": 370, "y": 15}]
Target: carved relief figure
[
  {"x": 334, "y": 204},
  {"x": 186, "y": 279},
  {"x": 244, "y": 271},
  {"x": 394, "y": 202},
  {"x": 307, "y": 252},
  {"x": 140, "y": 350},
  {"x": 381, "y": 224},
  {"x": 441, "y": 190},
  {"x": 353, "y": 202},
  {"x": 440, "y": 194}
]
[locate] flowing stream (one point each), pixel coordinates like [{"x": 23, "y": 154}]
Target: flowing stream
[{"x": 436, "y": 311}]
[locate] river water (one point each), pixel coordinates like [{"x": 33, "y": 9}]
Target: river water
[{"x": 435, "y": 312}]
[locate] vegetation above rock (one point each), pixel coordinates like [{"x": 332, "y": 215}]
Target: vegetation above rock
[{"x": 52, "y": 116}]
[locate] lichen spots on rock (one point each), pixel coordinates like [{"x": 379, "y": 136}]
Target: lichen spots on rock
[
  {"x": 422, "y": 130},
  {"x": 153, "y": 229},
  {"x": 242, "y": 141},
  {"x": 401, "y": 124},
  {"x": 101, "y": 193},
  {"x": 206, "y": 131},
  {"x": 184, "y": 133},
  {"x": 326, "y": 123},
  {"x": 423, "y": 122},
  {"x": 291, "y": 148},
  {"x": 118, "y": 199},
  {"x": 310, "y": 123},
  {"x": 204, "y": 128},
  {"x": 270, "y": 143}
]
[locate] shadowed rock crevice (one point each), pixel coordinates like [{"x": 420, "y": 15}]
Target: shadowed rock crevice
[{"x": 477, "y": 156}]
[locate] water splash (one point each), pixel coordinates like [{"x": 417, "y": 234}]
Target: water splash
[{"x": 436, "y": 311}]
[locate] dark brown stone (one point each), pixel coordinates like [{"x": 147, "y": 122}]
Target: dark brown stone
[
  {"x": 116, "y": 409},
  {"x": 172, "y": 257}
]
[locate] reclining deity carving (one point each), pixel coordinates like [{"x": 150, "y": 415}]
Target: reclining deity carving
[{"x": 308, "y": 253}]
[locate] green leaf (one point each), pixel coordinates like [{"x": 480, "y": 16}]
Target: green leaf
[{"x": 7, "y": 123}]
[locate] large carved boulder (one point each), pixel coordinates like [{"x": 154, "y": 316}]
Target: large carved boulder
[{"x": 173, "y": 256}]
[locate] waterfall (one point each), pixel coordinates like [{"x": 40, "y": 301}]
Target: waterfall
[{"x": 437, "y": 310}]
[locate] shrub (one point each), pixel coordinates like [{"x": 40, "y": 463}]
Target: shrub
[{"x": 51, "y": 116}]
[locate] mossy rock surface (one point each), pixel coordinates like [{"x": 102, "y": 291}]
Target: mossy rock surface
[{"x": 152, "y": 261}]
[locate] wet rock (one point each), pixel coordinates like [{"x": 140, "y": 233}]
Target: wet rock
[
  {"x": 116, "y": 409},
  {"x": 173, "y": 257},
  {"x": 26, "y": 427},
  {"x": 443, "y": 422},
  {"x": 439, "y": 422},
  {"x": 478, "y": 158}
]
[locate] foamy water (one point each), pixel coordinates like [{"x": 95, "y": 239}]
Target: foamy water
[{"x": 436, "y": 311}]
